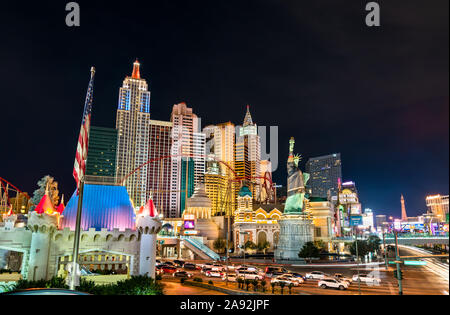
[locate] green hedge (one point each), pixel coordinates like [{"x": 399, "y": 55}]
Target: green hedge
[{"x": 136, "y": 285}]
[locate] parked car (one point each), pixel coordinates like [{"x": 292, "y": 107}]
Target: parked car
[
  {"x": 315, "y": 275},
  {"x": 286, "y": 280},
  {"x": 205, "y": 270},
  {"x": 231, "y": 277},
  {"x": 168, "y": 269},
  {"x": 214, "y": 273},
  {"x": 190, "y": 266},
  {"x": 169, "y": 263},
  {"x": 368, "y": 279},
  {"x": 341, "y": 277},
  {"x": 275, "y": 271},
  {"x": 247, "y": 274},
  {"x": 182, "y": 274},
  {"x": 332, "y": 283}
]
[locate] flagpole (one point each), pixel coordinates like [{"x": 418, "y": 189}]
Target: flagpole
[{"x": 76, "y": 243}]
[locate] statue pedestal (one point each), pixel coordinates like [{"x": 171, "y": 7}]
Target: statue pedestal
[{"x": 295, "y": 231}]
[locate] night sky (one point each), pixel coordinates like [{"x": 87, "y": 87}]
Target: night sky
[{"x": 379, "y": 96}]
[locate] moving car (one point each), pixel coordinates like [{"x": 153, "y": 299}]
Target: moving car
[
  {"x": 340, "y": 277},
  {"x": 182, "y": 274},
  {"x": 190, "y": 266},
  {"x": 332, "y": 283},
  {"x": 231, "y": 277},
  {"x": 286, "y": 280},
  {"x": 275, "y": 271},
  {"x": 214, "y": 273},
  {"x": 205, "y": 270},
  {"x": 247, "y": 274},
  {"x": 168, "y": 269},
  {"x": 217, "y": 267},
  {"x": 178, "y": 262},
  {"x": 292, "y": 277},
  {"x": 368, "y": 279},
  {"x": 297, "y": 275},
  {"x": 315, "y": 275}
]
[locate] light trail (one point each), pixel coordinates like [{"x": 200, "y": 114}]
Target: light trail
[{"x": 436, "y": 267}]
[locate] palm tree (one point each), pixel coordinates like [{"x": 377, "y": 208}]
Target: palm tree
[
  {"x": 240, "y": 282},
  {"x": 290, "y": 287},
  {"x": 219, "y": 245},
  {"x": 263, "y": 285},
  {"x": 255, "y": 284},
  {"x": 273, "y": 287},
  {"x": 282, "y": 284},
  {"x": 263, "y": 246},
  {"x": 247, "y": 283}
]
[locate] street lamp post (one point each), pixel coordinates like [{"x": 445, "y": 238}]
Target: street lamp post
[
  {"x": 226, "y": 258},
  {"x": 385, "y": 250},
  {"x": 243, "y": 246},
  {"x": 397, "y": 258},
  {"x": 357, "y": 261}
]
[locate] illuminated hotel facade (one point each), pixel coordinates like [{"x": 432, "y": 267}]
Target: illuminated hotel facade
[
  {"x": 132, "y": 124},
  {"x": 438, "y": 205}
]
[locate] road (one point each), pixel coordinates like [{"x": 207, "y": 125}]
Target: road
[
  {"x": 432, "y": 278},
  {"x": 176, "y": 288},
  {"x": 418, "y": 280}
]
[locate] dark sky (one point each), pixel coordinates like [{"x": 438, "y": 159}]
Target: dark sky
[{"x": 377, "y": 95}]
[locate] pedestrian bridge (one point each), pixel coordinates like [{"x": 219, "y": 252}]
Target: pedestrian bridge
[{"x": 405, "y": 239}]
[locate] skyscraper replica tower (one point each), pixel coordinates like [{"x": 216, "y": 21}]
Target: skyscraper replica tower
[
  {"x": 132, "y": 123},
  {"x": 188, "y": 157},
  {"x": 248, "y": 153},
  {"x": 295, "y": 227}
]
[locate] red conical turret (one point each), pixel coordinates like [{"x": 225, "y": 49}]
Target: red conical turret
[
  {"x": 148, "y": 210},
  {"x": 136, "y": 74},
  {"x": 45, "y": 205},
  {"x": 61, "y": 206}
]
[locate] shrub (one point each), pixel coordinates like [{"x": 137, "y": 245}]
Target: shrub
[
  {"x": 198, "y": 279},
  {"x": 158, "y": 277},
  {"x": 210, "y": 282},
  {"x": 182, "y": 280},
  {"x": 136, "y": 285}
]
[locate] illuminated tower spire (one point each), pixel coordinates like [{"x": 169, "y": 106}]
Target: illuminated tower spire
[
  {"x": 136, "y": 74},
  {"x": 248, "y": 118},
  {"x": 404, "y": 216}
]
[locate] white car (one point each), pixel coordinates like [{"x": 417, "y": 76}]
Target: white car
[
  {"x": 332, "y": 283},
  {"x": 285, "y": 280},
  {"x": 293, "y": 278},
  {"x": 231, "y": 277},
  {"x": 217, "y": 267},
  {"x": 247, "y": 274},
  {"x": 214, "y": 273},
  {"x": 368, "y": 279},
  {"x": 341, "y": 277},
  {"x": 315, "y": 275}
]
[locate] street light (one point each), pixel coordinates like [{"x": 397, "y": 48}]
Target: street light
[{"x": 243, "y": 246}]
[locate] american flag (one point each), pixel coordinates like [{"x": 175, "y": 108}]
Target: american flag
[{"x": 79, "y": 167}]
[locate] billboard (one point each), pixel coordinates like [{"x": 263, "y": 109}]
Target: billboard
[{"x": 356, "y": 220}]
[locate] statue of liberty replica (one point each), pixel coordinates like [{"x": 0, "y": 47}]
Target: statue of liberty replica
[{"x": 295, "y": 227}]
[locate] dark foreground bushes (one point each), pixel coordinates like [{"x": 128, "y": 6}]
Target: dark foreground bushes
[{"x": 136, "y": 285}]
